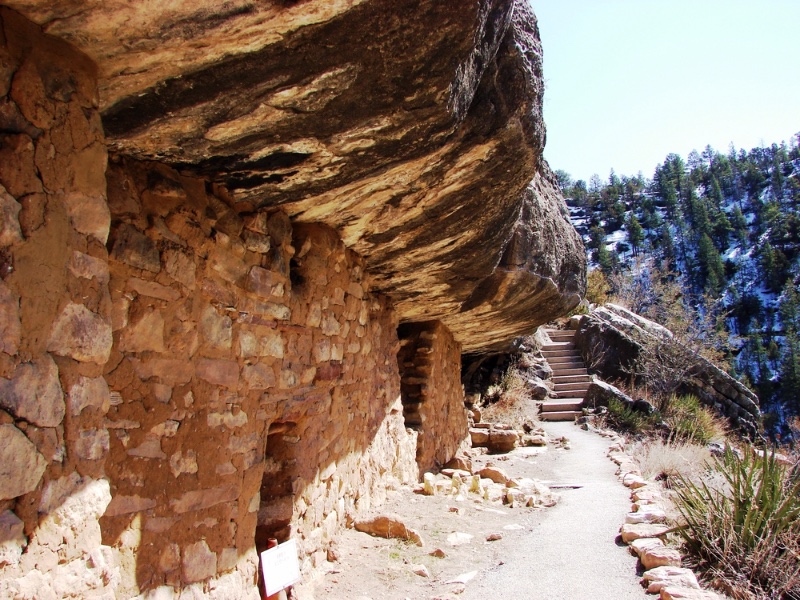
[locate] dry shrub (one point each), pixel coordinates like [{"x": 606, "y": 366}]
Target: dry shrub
[
  {"x": 508, "y": 401},
  {"x": 597, "y": 287},
  {"x": 663, "y": 460}
]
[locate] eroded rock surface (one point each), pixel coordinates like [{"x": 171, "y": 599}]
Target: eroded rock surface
[{"x": 413, "y": 129}]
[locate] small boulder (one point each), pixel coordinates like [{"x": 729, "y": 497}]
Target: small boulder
[
  {"x": 460, "y": 462},
  {"x": 600, "y": 393},
  {"x": 661, "y": 577},
  {"x": 420, "y": 570},
  {"x": 479, "y": 437},
  {"x": 640, "y": 545},
  {"x": 458, "y": 538},
  {"x": 537, "y": 389},
  {"x": 687, "y": 593},
  {"x": 429, "y": 484},
  {"x": 496, "y": 474},
  {"x": 633, "y": 481},
  {"x": 631, "y": 532},
  {"x": 660, "y": 557},
  {"x": 644, "y": 407},
  {"x": 387, "y": 526},
  {"x": 651, "y": 514},
  {"x": 501, "y": 441}
]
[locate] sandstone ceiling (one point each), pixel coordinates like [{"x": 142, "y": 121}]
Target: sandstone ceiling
[{"x": 414, "y": 128}]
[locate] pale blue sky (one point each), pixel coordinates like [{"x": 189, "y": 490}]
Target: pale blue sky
[{"x": 629, "y": 81}]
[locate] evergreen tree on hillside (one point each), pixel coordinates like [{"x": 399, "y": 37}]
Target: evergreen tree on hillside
[
  {"x": 712, "y": 271},
  {"x": 789, "y": 370},
  {"x": 739, "y": 224},
  {"x": 635, "y": 233},
  {"x": 691, "y": 212}
]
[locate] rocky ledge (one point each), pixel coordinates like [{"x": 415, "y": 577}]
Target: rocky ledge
[
  {"x": 611, "y": 339},
  {"x": 413, "y": 129}
]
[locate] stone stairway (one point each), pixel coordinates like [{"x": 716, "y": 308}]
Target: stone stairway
[{"x": 570, "y": 377}]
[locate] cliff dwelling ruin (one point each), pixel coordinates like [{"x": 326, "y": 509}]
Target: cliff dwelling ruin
[{"x": 243, "y": 249}]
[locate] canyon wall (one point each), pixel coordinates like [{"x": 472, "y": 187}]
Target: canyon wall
[{"x": 242, "y": 250}]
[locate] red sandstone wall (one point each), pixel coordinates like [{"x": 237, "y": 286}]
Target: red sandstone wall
[
  {"x": 254, "y": 383},
  {"x": 55, "y": 320}
]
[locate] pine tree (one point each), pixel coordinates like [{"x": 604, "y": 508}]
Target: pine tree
[
  {"x": 635, "y": 233},
  {"x": 789, "y": 369},
  {"x": 739, "y": 226},
  {"x": 722, "y": 228},
  {"x": 712, "y": 271},
  {"x": 774, "y": 267},
  {"x": 667, "y": 247},
  {"x": 606, "y": 259},
  {"x": 670, "y": 198}
]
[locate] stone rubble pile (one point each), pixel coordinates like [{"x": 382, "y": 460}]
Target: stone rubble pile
[
  {"x": 644, "y": 529},
  {"x": 500, "y": 438},
  {"x": 490, "y": 483}
]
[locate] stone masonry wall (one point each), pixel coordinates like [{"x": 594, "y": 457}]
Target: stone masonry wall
[
  {"x": 255, "y": 392},
  {"x": 55, "y": 321},
  {"x": 433, "y": 397},
  {"x": 179, "y": 382}
]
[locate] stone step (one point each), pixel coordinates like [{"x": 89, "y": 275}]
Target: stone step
[
  {"x": 562, "y": 405},
  {"x": 571, "y": 378},
  {"x": 563, "y": 387},
  {"x": 558, "y": 345},
  {"x": 561, "y": 337},
  {"x": 563, "y": 415},
  {"x": 548, "y": 354},
  {"x": 562, "y": 372},
  {"x": 560, "y": 381},
  {"x": 569, "y": 394},
  {"x": 565, "y": 360},
  {"x": 569, "y": 367}
]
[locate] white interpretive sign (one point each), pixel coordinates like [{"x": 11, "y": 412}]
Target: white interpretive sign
[{"x": 280, "y": 567}]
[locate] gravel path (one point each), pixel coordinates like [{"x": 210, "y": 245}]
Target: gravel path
[{"x": 571, "y": 553}]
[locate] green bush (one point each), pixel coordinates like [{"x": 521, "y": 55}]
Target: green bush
[
  {"x": 745, "y": 532},
  {"x": 623, "y": 418}
]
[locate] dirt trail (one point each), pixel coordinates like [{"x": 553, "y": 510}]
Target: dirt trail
[
  {"x": 567, "y": 552},
  {"x": 571, "y": 553}
]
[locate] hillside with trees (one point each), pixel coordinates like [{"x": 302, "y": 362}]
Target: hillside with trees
[{"x": 715, "y": 236}]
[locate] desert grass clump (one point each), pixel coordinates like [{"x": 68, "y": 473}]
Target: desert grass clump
[
  {"x": 745, "y": 533},
  {"x": 667, "y": 459},
  {"x": 687, "y": 419}
]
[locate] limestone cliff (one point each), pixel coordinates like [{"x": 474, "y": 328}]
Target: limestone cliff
[{"x": 412, "y": 128}]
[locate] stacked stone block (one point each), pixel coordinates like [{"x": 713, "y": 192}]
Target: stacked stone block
[
  {"x": 179, "y": 381},
  {"x": 254, "y": 383},
  {"x": 433, "y": 397},
  {"x": 55, "y": 321}
]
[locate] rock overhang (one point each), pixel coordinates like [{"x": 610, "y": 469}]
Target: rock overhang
[{"x": 413, "y": 129}]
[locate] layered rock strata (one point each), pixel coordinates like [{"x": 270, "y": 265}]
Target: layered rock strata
[{"x": 412, "y": 129}]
